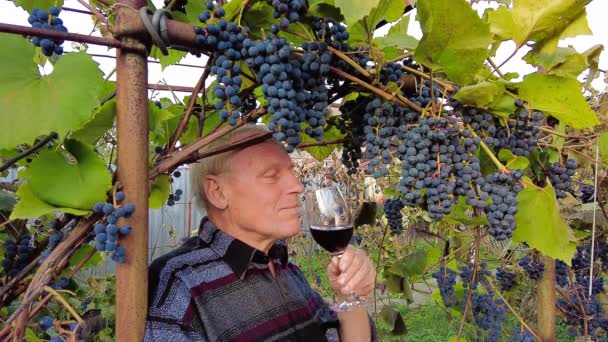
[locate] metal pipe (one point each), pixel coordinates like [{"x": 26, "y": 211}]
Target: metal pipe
[
  {"x": 73, "y": 37},
  {"x": 132, "y": 133}
]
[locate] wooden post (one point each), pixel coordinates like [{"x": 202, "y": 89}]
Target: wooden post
[{"x": 547, "y": 309}]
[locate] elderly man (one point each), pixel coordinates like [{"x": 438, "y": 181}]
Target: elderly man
[{"x": 233, "y": 281}]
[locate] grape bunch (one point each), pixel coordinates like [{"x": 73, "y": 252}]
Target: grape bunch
[
  {"x": 176, "y": 195},
  {"x": 561, "y": 273},
  {"x": 505, "y": 279},
  {"x": 392, "y": 210},
  {"x": 584, "y": 315},
  {"x": 502, "y": 189},
  {"x": 520, "y": 334},
  {"x": 225, "y": 39},
  {"x": 17, "y": 254},
  {"x": 534, "y": 269},
  {"x": 560, "y": 177},
  {"x": 587, "y": 193},
  {"x": 488, "y": 313},
  {"x": 581, "y": 263},
  {"x": 391, "y": 72},
  {"x": 467, "y": 272},
  {"x": 352, "y": 125},
  {"x": 290, "y": 10},
  {"x": 446, "y": 279},
  {"x": 48, "y": 20},
  {"x": 522, "y": 135},
  {"x": 55, "y": 237},
  {"x": 107, "y": 231},
  {"x": 294, "y": 89}
]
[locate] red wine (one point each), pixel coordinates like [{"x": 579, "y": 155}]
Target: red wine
[{"x": 332, "y": 239}]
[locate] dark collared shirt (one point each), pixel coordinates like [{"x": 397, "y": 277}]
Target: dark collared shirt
[{"x": 217, "y": 288}]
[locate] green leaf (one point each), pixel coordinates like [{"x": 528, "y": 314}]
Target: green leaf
[
  {"x": 82, "y": 253},
  {"x": 157, "y": 121},
  {"x": 397, "y": 36},
  {"x": 159, "y": 192},
  {"x": 389, "y": 10},
  {"x": 233, "y": 8},
  {"x": 30, "y": 336},
  {"x": 410, "y": 265},
  {"x": 29, "y": 5},
  {"x": 501, "y": 22},
  {"x": 394, "y": 320},
  {"x": 324, "y": 9},
  {"x": 173, "y": 57},
  {"x": 548, "y": 20},
  {"x": 480, "y": 95},
  {"x": 259, "y": 18},
  {"x": 31, "y": 206},
  {"x": 355, "y": 10},
  {"x": 513, "y": 162},
  {"x": 56, "y": 181},
  {"x": 7, "y": 201},
  {"x": 561, "y": 97},
  {"x": 602, "y": 142},
  {"x": 193, "y": 10},
  {"x": 454, "y": 38},
  {"x": 593, "y": 59},
  {"x": 572, "y": 67},
  {"x": 101, "y": 122},
  {"x": 33, "y": 105},
  {"x": 538, "y": 223},
  {"x": 322, "y": 152}
]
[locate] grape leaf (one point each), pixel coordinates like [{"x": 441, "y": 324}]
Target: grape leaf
[
  {"x": 394, "y": 320},
  {"x": 322, "y": 152},
  {"x": 29, "y": 5},
  {"x": 101, "y": 122},
  {"x": 513, "y": 162},
  {"x": 31, "y": 206},
  {"x": 501, "y": 22},
  {"x": 355, "y": 10},
  {"x": 561, "y": 97},
  {"x": 7, "y": 201},
  {"x": 547, "y": 21},
  {"x": 410, "y": 265},
  {"x": 33, "y": 105},
  {"x": 538, "y": 223},
  {"x": 58, "y": 182},
  {"x": 480, "y": 95},
  {"x": 173, "y": 57},
  {"x": 389, "y": 10},
  {"x": 454, "y": 38},
  {"x": 397, "y": 36},
  {"x": 81, "y": 253},
  {"x": 259, "y": 18},
  {"x": 159, "y": 192}
]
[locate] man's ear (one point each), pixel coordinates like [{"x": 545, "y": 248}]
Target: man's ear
[{"x": 214, "y": 191}]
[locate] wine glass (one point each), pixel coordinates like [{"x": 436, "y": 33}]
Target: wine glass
[{"x": 331, "y": 225}]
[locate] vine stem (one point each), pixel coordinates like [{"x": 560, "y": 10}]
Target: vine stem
[
  {"x": 376, "y": 90},
  {"x": 338, "y": 53},
  {"x": 511, "y": 308},
  {"x": 97, "y": 14},
  {"x": 31, "y": 150},
  {"x": 65, "y": 303},
  {"x": 321, "y": 143},
  {"x": 186, "y": 117},
  {"x": 378, "y": 260},
  {"x": 496, "y": 69},
  {"x": 489, "y": 152},
  {"x": 473, "y": 279},
  {"x": 446, "y": 86}
]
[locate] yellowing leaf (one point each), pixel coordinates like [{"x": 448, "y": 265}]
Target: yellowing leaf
[{"x": 539, "y": 224}]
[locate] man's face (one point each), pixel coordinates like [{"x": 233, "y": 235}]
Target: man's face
[{"x": 263, "y": 192}]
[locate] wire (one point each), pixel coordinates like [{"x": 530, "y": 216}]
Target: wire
[{"x": 597, "y": 156}]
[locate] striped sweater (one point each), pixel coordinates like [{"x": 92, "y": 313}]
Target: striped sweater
[{"x": 217, "y": 288}]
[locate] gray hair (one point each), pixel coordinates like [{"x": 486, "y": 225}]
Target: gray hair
[{"x": 216, "y": 164}]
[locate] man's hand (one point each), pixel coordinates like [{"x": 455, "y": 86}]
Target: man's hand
[{"x": 352, "y": 272}]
